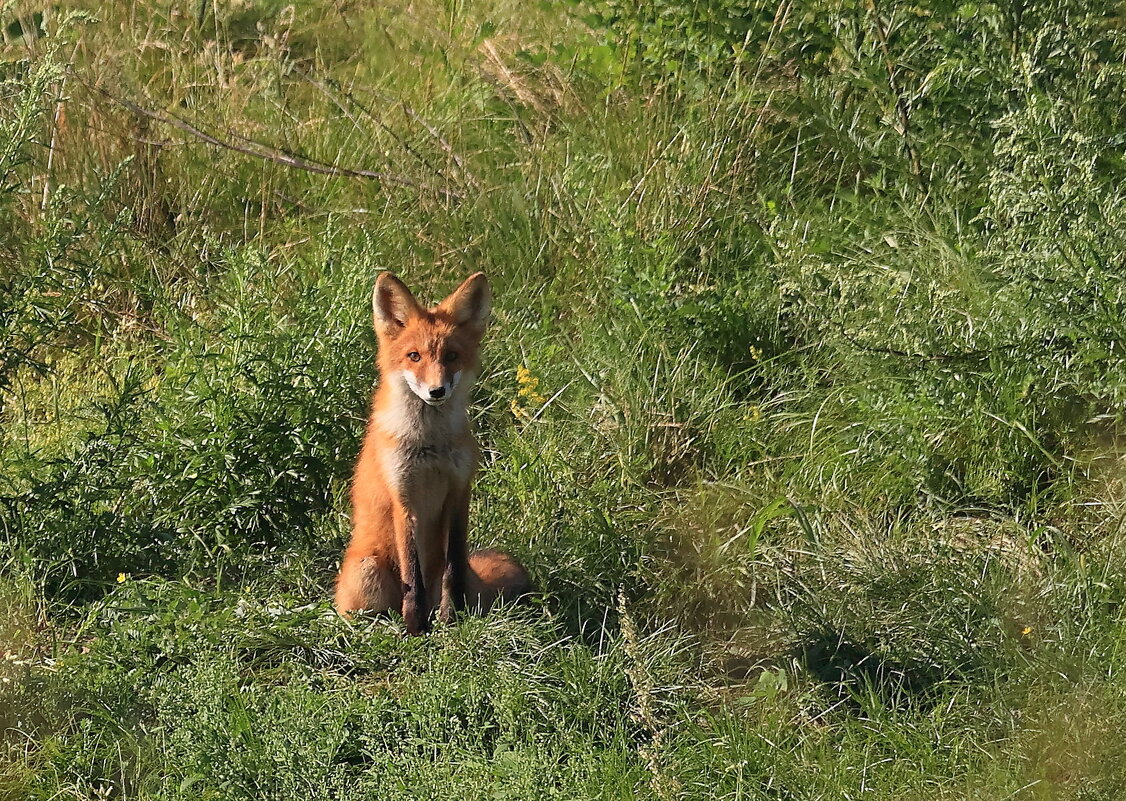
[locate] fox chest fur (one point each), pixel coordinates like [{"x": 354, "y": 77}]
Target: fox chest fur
[{"x": 425, "y": 454}]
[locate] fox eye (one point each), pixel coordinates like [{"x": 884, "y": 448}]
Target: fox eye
[
  {"x": 450, "y": 356},
  {"x": 413, "y": 356}
]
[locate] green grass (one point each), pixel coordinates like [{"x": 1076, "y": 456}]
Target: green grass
[{"x": 802, "y": 400}]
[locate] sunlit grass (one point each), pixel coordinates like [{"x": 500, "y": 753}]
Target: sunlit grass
[{"x": 800, "y": 403}]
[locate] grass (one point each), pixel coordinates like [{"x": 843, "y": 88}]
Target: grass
[{"x": 801, "y": 401}]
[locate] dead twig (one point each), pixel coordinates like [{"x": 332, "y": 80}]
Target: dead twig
[
  {"x": 411, "y": 114},
  {"x": 328, "y": 92},
  {"x": 268, "y": 152}
]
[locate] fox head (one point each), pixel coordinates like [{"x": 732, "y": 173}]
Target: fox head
[{"x": 431, "y": 351}]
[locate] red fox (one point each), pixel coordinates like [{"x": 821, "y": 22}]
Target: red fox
[{"x": 410, "y": 492}]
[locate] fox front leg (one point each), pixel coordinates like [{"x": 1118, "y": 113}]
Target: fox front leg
[
  {"x": 416, "y": 610},
  {"x": 457, "y": 561}
]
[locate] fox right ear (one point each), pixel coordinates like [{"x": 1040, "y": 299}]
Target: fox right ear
[
  {"x": 392, "y": 305},
  {"x": 470, "y": 303}
]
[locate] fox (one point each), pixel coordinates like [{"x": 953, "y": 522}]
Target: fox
[{"x": 411, "y": 486}]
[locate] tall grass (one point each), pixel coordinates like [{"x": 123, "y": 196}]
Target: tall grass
[{"x": 801, "y": 401}]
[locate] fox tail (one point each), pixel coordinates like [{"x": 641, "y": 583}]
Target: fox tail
[{"x": 494, "y": 577}]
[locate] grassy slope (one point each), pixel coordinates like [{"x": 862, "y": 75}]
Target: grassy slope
[{"x": 801, "y": 403}]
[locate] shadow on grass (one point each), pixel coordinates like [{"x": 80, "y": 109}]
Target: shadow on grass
[{"x": 856, "y": 674}]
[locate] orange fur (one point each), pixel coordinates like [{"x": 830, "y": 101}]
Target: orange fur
[{"x": 410, "y": 492}]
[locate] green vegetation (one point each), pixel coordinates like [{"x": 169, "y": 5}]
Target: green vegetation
[{"x": 802, "y": 402}]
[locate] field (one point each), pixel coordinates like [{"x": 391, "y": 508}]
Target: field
[{"x": 802, "y": 401}]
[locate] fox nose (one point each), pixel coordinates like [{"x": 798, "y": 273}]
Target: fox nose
[{"x": 438, "y": 392}]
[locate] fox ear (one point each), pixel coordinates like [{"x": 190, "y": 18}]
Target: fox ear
[
  {"x": 470, "y": 303},
  {"x": 392, "y": 305}
]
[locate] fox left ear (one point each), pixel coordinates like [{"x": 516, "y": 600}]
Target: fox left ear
[
  {"x": 392, "y": 305},
  {"x": 470, "y": 303}
]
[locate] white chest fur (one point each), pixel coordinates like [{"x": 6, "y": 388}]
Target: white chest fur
[{"x": 432, "y": 450}]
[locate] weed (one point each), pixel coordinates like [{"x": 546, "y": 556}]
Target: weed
[{"x": 801, "y": 400}]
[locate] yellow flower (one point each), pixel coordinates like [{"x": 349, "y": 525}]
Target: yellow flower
[
  {"x": 756, "y": 353},
  {"x": 1026, "y": 631},
  {"x": 121, "y": 577},
  {"x": 528, "y": 386},
  {"x": 527, "y": 394}
]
